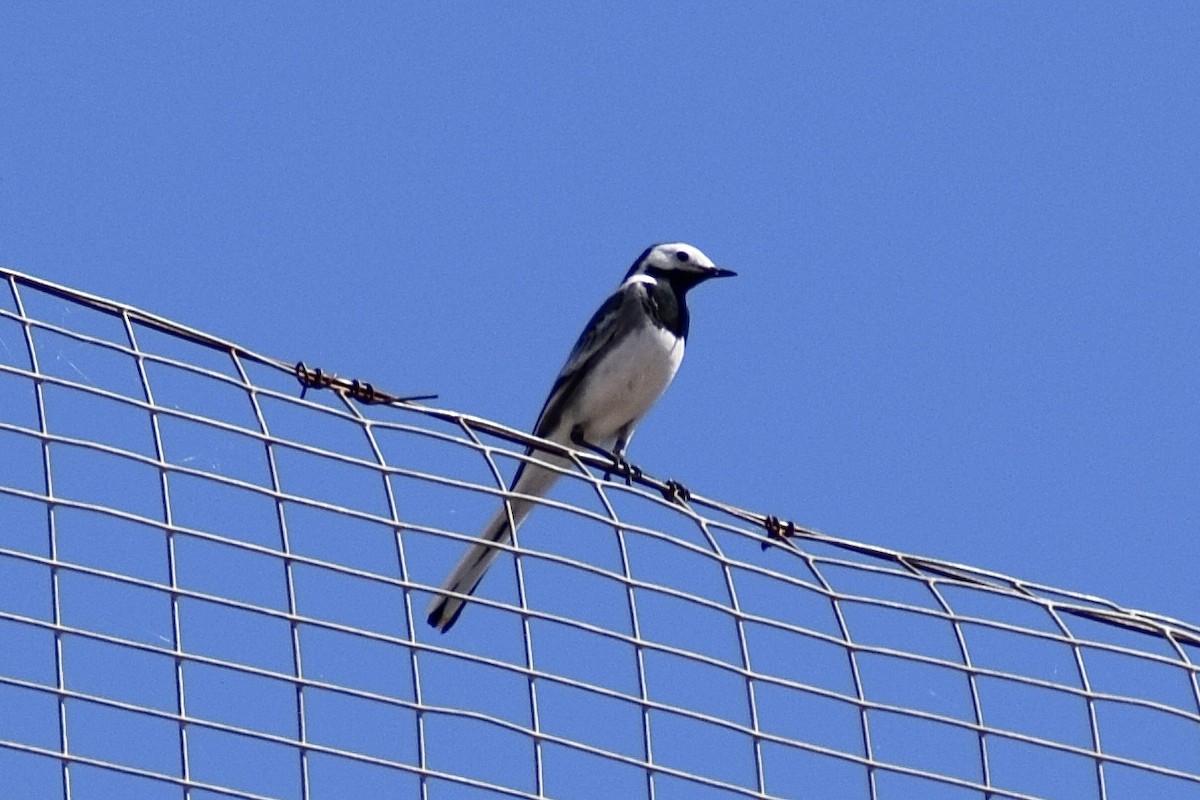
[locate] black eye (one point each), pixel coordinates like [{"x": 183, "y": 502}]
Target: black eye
[{"x": 682, "y": 256}]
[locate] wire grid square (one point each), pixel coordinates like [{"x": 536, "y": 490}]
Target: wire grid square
[{"x": 212, "y": 586}]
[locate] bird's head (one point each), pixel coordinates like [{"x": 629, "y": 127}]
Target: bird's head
[{"x": 680, "y": 264}]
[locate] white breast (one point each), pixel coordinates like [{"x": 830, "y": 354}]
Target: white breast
[{"x": 627, "y": 382}]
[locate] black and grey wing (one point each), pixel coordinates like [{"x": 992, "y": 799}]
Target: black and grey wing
[{"x": 603, "y": 330}]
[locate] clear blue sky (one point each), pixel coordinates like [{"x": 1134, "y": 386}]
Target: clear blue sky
[{"x": 966, "y": 323}]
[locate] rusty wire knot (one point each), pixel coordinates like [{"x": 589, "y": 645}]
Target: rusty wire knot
[
  {"x": 355, "y": 389},
  {"x": 778, "y": 529},
  {"x": 675, "y": 492}
]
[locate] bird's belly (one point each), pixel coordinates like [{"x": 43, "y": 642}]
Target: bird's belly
[{"x": 628, "y": 382}]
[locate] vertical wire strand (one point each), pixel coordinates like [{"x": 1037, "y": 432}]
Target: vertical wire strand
[
  {"x": 64, "y": 744},
  {"x": 739, "y": 619},
  {"x": 172, "y": 561},
  {"x": 1085, "y": 682},
  {"x": 535, "y": 720},
  {"x": 537, "y": 767},
  {"x": 972, "y": 677},
  {"x": 1185, "y": 659},
  {"x": 855, "y": 675},
  {"x": 411, "y": 620},
  {"x": 639, "y": 647},
  {"x": 285, "y": 544}
]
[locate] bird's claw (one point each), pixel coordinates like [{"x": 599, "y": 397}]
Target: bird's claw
[
  {"x": 676, "y": 492},
  {"x": 623, "y": 469}
]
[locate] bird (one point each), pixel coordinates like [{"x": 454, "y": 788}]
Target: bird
[{"x": 623, "y": 361}]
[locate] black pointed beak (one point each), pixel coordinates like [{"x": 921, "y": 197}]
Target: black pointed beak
[{"x": 719, "y": 272}]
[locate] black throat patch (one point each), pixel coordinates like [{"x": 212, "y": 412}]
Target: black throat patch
[{"x": 666, "y": 306}]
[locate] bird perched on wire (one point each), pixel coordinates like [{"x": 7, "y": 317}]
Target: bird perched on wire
[{"x": 622, "y": 363}]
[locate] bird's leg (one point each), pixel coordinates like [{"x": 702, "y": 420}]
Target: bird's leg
[
  {"x": 619, "y": 466},
  {"x": 578, "y": 440},
  {"x": 623, "y": 469}
]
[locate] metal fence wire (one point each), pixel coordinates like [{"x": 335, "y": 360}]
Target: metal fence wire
[{"x": 213, "y": 587}]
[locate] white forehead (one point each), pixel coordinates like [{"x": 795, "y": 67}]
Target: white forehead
[{"x": 666, "y": 254}]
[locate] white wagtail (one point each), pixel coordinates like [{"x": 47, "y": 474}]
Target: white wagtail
[{"x": 622, "y": 363}]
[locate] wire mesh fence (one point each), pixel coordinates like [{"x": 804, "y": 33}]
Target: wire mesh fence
[{"x": 212, "y": 586}]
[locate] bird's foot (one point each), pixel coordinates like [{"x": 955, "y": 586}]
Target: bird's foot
[
  {"x": 623, "y": 469},
  {"x": 620, "y": 466},
  {"x": 676, "y": 492}
]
